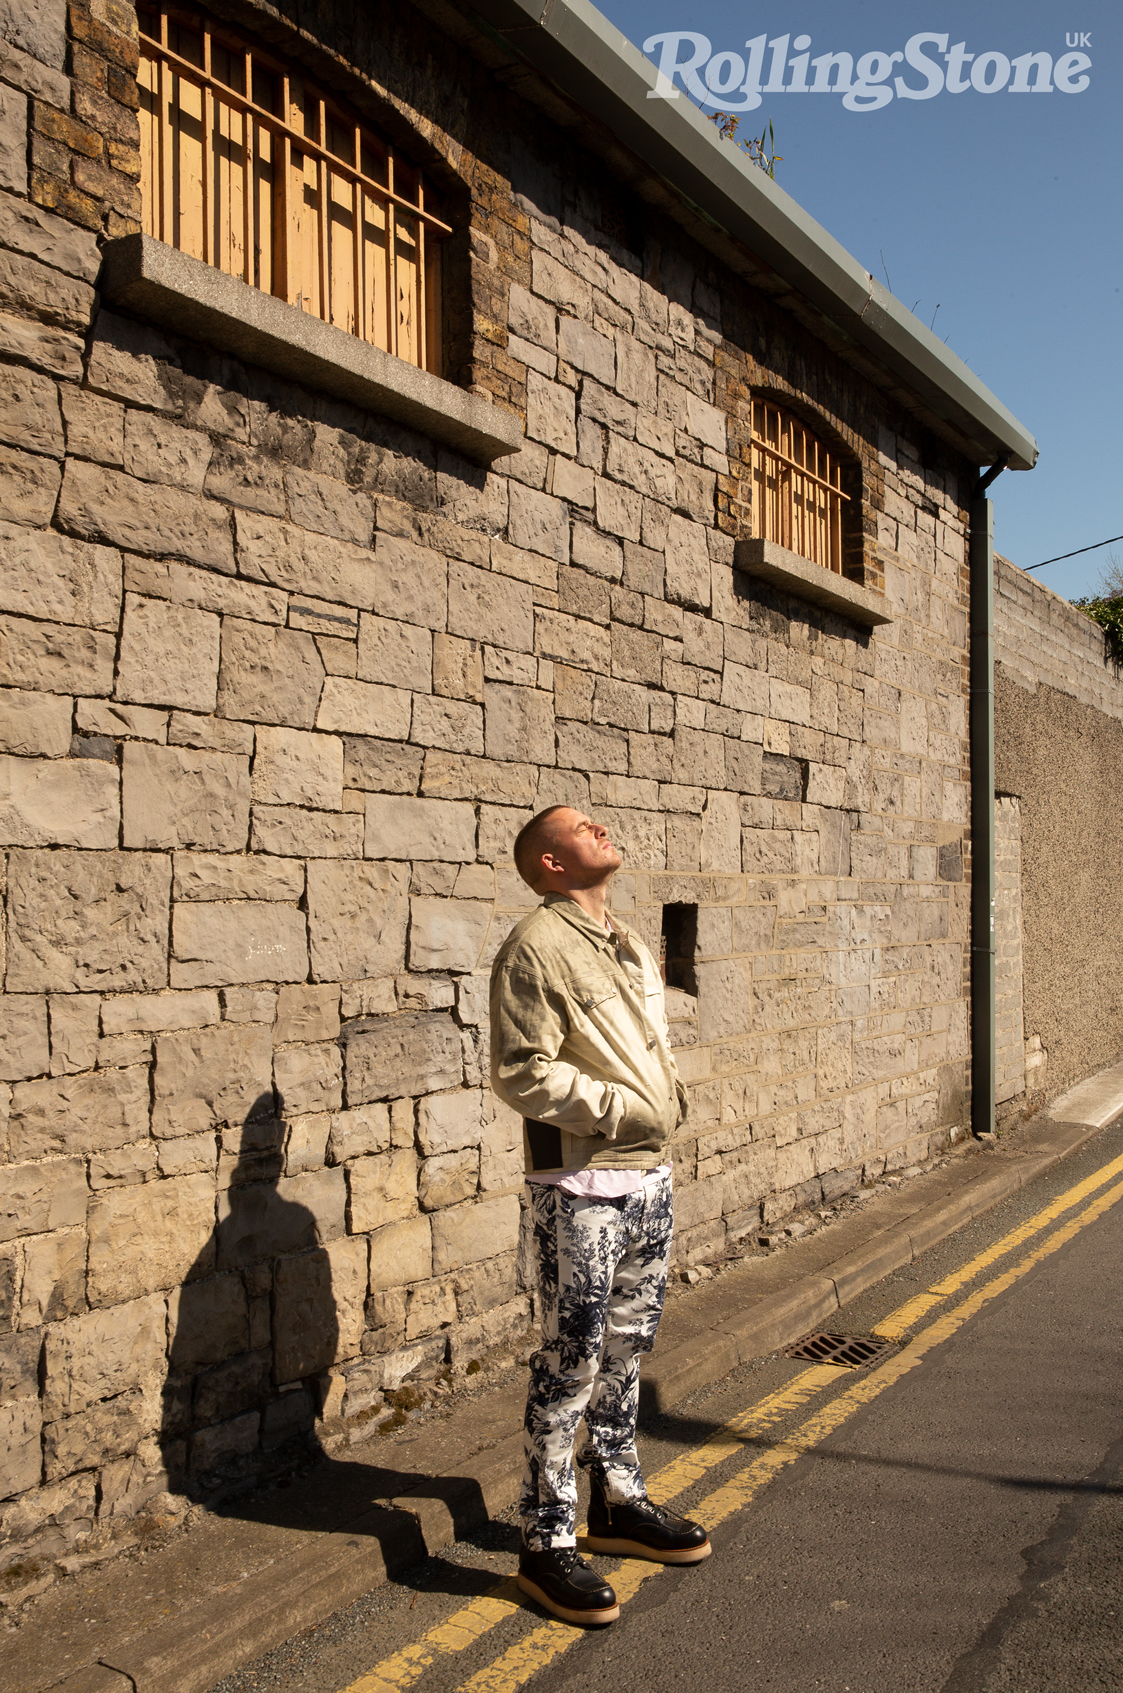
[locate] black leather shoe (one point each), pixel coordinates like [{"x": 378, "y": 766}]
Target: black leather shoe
[
  {"x": 562, "y": 1581},
  {"x": 640, "y": 1529}
]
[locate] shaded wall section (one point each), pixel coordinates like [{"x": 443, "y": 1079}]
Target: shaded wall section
[{"x": 1059, "y": 750}]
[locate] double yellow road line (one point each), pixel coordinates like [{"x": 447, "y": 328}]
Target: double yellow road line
[{"x": 533, "y": 1651}]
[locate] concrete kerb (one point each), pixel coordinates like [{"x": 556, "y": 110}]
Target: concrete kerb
[{"x": 731, "y": 1324}]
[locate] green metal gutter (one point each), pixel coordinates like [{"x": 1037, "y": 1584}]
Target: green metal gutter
[{"x": 590, "y": 61}]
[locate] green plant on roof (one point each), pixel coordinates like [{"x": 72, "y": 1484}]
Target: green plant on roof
[{"x": 761, "y": 148}]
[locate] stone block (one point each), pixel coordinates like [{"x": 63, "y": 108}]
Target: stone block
[
  {"x": 35, "y": 725},
  {"x": 306, "y": 1013},
  {"x": 355, "y": 1133},
  {"x": 29, "y": 485},
  {"x": 266, "y": 1219},
  {"x": 74, "y": 1033},
  {"x": 457, "y": 668},
  {"x": 329, "y": 507},
  {"x": 101, "y": 1354},
  {"x": 357, "y": 916},
  {"x": 304, "y": 1316},
  {"x": 687, "y": 578},
  {"x": 208, "y": 1322},
  {"x": 382, "y": 1189},
  {"x": 29, "y": 410},
  {"x": 152, "y": 1236},
  {"x": 51, "y": 576},
  {"x": 63, "y": 802},
  {"x": 448, "y": 1179},
  {"x": 54, "y": 1277},
  {"x": 37, "y": 1198},
  {"x": 519, "y": 724},
  {"x": 303, "y": 563},
  {"x": 408, "y": 583},
  {"x": 431, "y": 829},
  {"x": 293, "y": 767},
  {"x": 102, "y": 504},
  {"x": 232, "y": 1387},
  {"x": 249, "y": 941},
  {"x": 21, "y": 1454},
  {"x": 174, "y": 797},
  {"x": 50, "y": 656},
  {"x": 456, "y": 725},
  {"x": 381, "y": 766},
  {"x": 399, "y": 655},
  {"x": 447, "y": 934},
  {"x": 19, "y": 1365},
  {"x": 403, "y": 1056},
  {"x": 24, "y": 227},
  {"x": 456, "y": 776},
  {"x": 241, "y": 477},
  {"x": 351, "y": 707},
  {"x": 68, "y": 1114},
  {"x": 597, "y": 553},
  {"x": 288, "y": 1418},
  {"x": 203, "y": 876},
  {"x": 291, "y": 832},
  {"x": 24, "y": 1044},
  {"x": 116, "y": 720},
  {"x": 306, "y": 1139},
  {"x": 224, "y": 1441},
  {"x": 210, "y": 734},
  {"x": 550, "y": 413},
  {"x": 468, "y": 1233},
  {"x": 205, "y": 1077},
  {"x": 309, "y": 1078},
  {"x": 269, "y": 675},
  {"x": 573, "y": 640},
  {"x": 94, "y": 427},
  {"x": 169, "y": 655},
  {"x": 721, "y": 834},
  {"x": 481, "y": 603},
  {"x": 159, "y": 451},
  {"x": 401, "y": 1253},
  {"x": 249, "y": 1005},
  {"x": 585, "y": 746}
]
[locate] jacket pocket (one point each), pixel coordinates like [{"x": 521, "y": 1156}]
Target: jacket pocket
[{"x": 591, "y": 991}]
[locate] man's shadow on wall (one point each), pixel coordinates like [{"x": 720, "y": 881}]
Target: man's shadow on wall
[{"x": 255, "y": 1328}]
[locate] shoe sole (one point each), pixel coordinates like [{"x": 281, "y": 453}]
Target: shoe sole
[
  {"x": 608, "y": 1614},
  {"x": 636, "y": 1549}
]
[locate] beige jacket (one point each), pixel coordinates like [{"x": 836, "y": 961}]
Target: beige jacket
[{"x": 579, "y": 1043}]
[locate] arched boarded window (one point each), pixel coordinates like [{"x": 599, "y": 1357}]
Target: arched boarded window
[
  {"x": 797, "y": 487},
  {"x": 249, "y": 166}
]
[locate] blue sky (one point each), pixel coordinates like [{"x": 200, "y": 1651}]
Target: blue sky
[{"x": 1004, "y": 211}]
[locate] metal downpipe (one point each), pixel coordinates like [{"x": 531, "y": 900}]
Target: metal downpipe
[{"x": 983, "y": 973}]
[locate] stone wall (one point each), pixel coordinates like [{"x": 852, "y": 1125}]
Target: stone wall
[
  {"x": 279, "y": 683},
  {"x": 1058, "y": 747}
]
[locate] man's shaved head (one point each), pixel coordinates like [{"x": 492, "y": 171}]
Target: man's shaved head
[{"x": 531, "y": 842}]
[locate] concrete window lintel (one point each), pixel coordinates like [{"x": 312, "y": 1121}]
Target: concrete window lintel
[
  {"x": 191, "y": 298},
  {"x": 773, "y": 563}
]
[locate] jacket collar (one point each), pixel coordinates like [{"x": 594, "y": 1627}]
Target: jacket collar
[{"x": 574, "y": 914}]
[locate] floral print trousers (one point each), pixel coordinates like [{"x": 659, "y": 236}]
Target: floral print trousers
[{"x": 602, "y": 1275}]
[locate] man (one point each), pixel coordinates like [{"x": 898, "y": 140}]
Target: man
[{"x": 580, "y": 1048}]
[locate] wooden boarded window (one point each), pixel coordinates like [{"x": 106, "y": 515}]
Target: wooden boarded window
[
  {"x": 247, "y": 165},
  {"x": 797, "y": 492}
]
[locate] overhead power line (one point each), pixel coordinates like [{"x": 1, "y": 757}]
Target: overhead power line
[{"x": 1075, "y": 554}]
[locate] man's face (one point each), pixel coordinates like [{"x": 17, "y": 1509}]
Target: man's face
[{"x": 581, "y": 849}]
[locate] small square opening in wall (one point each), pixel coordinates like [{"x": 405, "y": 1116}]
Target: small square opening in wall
[{"x": 678, "y": 944}]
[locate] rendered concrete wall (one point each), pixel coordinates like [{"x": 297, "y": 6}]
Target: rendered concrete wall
[{"x": 280, "y": 681}]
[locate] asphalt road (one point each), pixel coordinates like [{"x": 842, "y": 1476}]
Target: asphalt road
[{"x": 949, "y": 1520}]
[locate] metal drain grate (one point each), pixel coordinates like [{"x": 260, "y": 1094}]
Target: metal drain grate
[{"x": 852, "y": 1351}]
